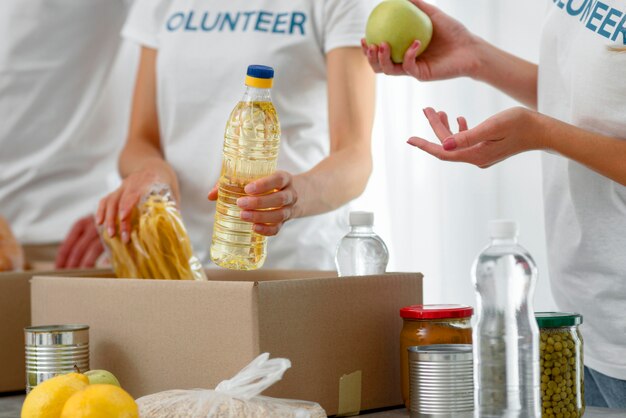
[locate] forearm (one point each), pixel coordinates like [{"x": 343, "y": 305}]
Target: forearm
[
  {"x": 506, "y": 72},
  {"x": 603, "y": 154},
  {"x": 333, "y": 182}
]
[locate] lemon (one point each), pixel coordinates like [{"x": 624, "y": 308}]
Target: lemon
[
  {"x": 46, "y": 400},
  {"x": 101, "y": 401}
]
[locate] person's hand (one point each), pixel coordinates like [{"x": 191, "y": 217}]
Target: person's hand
[
  {"x": 269, "y": 204},
  {"x": 497, "y": 138},
  {"x": 81, "y": 247},
  {"x": 119, "y": 205},
  {"x": 452, "y": 52}
]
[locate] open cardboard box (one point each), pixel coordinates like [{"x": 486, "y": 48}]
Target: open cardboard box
[
  {"x": 14, "y": 316},
  {"x": 157, "y": 335}
]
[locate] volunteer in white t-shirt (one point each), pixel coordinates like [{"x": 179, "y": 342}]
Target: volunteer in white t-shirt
[
  {"x": 579, "y": 89},
  {"x": 193, "y": 63},
  {"x": 62, "y": 118}
]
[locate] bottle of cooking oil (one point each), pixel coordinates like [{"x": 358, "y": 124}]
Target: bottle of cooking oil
[{"x": 251, "y": 144}]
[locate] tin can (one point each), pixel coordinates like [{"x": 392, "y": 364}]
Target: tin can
[
  {"x": 55, "y": 349},
  {"x": 441, "y": 381}
]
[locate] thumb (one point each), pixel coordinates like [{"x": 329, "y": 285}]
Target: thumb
[
  {"x": 468, "y": 138},
  {"x": 425, "y": 7}
]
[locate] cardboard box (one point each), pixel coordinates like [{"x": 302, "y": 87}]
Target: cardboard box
[
  {"x": 14, "y": 316},
  {"x": 157, "y": 335}
]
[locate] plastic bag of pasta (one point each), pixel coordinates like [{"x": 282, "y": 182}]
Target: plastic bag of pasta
[
  {"x": 234, "y": 398},
  {"x": 159, "y": 247},
  {"x": 11, "y": 252}
]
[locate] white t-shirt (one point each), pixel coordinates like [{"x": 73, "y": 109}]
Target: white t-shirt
[
  {"x": 583, "y": 82},
  {"x": 204, "y": 48},
  {"x": 62, "y": 116}
]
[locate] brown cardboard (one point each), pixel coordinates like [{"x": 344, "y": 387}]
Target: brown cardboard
[
  {"x": 158, "y": 334},
  {"x": 14, "y": 316}
]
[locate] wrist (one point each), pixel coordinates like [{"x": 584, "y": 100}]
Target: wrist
[
  {"x": 300, "y": 184},
  {"x": 485, "y": 59}
]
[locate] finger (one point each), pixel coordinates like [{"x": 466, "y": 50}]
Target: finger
[
  {"x": 384, "y": 57},
  {"x": 409, "y": 64},
  {"x": 444, "y": 119},
  {"x": 127, "y": 204},
  {"x": 213, "y": 194},
  {"x": 279, "y": 199},
  {"x": 364, "y": 46},
  {"x": 462, "y": 123},
  {"x": 435, "y": 122},
  {"x": 91, "y": 255},
  {"x": 78, "y": 251},
  {"x": 267, "y": 230},
  {"x": 101, "y": 211},
  {"x": 277, "y": 181},
  {"x": 267, "y": 216},
  {"x": 68, "y": 244},
  {"x": 372, "y": 58},
  {"x": 110, "y": 216}
]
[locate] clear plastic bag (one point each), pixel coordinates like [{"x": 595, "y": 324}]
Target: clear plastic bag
[
  {"x": 234, "y": 398},
  {"x": 159, "y": 247},
  {"x": 11, "y": 252}
]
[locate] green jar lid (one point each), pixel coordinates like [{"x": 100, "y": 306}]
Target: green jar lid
[{"x": 558, "y": 319}]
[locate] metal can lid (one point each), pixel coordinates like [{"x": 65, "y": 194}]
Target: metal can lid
[
  {"x": 558, "y": 319},
  {"x": 436, "y": 311},
  {"x": 441, "y": 352}
]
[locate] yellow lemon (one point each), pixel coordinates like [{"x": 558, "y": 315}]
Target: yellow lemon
[
  {"x": 101, "y": 401},
  {"x": 46, "y": 400}
]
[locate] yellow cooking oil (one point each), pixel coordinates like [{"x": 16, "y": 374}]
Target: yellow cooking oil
[{"x": 251, "y": 142}]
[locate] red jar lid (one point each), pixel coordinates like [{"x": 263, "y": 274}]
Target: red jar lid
[{"x": 436, "y": 311}]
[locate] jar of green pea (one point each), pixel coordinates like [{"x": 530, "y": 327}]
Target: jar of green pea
[{"x": 561, "y": 363}]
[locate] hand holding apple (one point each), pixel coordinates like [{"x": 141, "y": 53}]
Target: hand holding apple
[
  {"x": 452, "y": 51},
  {"x": 399, "y": 23}
]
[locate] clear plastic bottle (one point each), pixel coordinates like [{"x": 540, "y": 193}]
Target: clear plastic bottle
[
  {"x": 361, "y": 252},
  {"x": 251, "y": 143},
  {"x": 506, "y": 336}
]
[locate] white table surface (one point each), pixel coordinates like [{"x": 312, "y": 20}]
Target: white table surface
[{"x": 10, "y": 408}]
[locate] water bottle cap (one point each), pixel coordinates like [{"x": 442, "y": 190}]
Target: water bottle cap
[
  {"x": 502, "y": 229},
  {"x": 260, "y": 76},
  {"x": 361, "y": 219}
]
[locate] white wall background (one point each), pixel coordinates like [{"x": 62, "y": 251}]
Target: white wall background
[{"x": 433, "y": 215}]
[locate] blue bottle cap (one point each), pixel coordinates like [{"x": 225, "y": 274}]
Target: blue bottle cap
[{"x": 260, "y": 71}]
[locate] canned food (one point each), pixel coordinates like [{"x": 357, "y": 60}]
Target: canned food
[
  {"x": 441, "y": 381},
  {"x": 428, "y": 325},
  {"x": 561, "y": 364},
  {"x": 55, "y": 349}
]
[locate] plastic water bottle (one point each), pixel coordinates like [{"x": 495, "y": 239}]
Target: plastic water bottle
[
  {"x": 361, "y": 252},
  {"x": 251, "y": 143},
  {"x": 506, "y": 337}
]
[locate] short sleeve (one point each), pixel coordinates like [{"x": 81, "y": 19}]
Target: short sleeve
[
  {"x": 144, "y": 22},
  {"x": 344, "y": 22}
]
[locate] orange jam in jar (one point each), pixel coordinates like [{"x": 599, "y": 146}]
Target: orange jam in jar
[{"x": 432, "y": 324}]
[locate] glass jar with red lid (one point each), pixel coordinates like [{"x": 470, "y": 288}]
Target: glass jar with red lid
[{"x": 432, "y": 324}]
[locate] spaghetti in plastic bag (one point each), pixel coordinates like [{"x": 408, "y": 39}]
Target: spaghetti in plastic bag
[
  {"x": 11, "y": 252},
  {"x": 234, "y": 398},
  {"x": 159, "y": 247}
]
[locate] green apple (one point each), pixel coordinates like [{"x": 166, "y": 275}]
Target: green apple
[
  {"x": 102, "y": 377},
  {"x": 399, "y": 23}
]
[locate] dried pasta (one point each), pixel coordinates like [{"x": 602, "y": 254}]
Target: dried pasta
[{"x": 159, "y": 247}]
